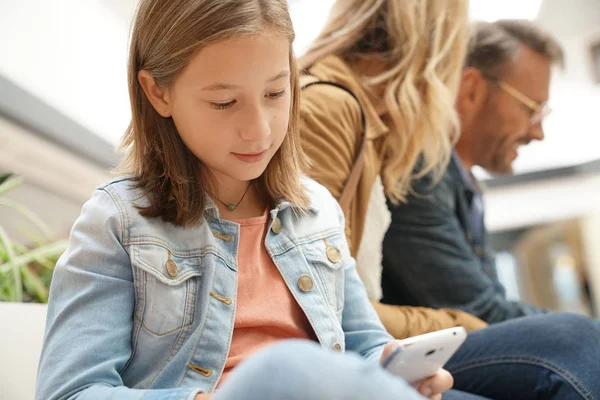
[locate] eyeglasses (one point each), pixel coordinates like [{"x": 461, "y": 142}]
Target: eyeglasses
[{"x": 538, "y": 111}]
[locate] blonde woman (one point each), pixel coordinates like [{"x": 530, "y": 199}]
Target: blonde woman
[
  {"x": 390, "y": 70},
  {"x": 402, "y": 61}
]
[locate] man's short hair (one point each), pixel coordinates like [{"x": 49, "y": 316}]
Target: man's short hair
[{"x": 496, "y": 44}]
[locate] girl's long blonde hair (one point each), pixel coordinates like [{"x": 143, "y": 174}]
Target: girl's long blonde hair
[
  {"x": 423, "y": 45},
  {"x": 166, "y": 35}
]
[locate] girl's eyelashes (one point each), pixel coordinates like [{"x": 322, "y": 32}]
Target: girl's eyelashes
[
  {"x": 223, "y": 106},
  {"x": 276, "y": 95},
  {"x": 229, "y": 104}
]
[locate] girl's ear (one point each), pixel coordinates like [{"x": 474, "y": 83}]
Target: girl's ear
[{"x": 158, "y": 97}]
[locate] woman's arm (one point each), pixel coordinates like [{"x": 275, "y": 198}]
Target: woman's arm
[{"x": 405, "y": 321}]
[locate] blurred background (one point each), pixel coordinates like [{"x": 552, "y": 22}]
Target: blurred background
[{"x": 64, "y": 106}]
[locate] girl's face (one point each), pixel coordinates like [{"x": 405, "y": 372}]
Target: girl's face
[{"x": 231, "y": 104}]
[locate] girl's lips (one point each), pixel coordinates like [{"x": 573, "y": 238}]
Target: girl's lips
[{"x": 251, "y": 158}]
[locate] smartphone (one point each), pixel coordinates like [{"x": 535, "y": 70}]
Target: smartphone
[{"x": 420, "y": 357}]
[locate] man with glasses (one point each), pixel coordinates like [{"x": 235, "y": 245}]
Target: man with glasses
[{"x": 435, "y": 252}]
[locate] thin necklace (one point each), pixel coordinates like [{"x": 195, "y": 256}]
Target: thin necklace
[{"x": 231, "y": 206}]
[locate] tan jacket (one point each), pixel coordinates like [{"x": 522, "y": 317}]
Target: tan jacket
[{"x": 331, "y": 128}]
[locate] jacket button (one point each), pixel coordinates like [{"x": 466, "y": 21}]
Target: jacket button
[
  {"x": 171, "y": 268},
  {"x": 207, "y": 372},
  {"x": 276, "y": 228},
  {"x": 337, "y": 347},
  {"x": 305, "y": 283},
  {"x": 223, "y": 236},
  {"x": 223, "y": 299},
  {"x": 333, "y": 254}
]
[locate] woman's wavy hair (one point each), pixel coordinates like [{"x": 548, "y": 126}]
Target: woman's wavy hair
[{"x": 423, "y": 43}]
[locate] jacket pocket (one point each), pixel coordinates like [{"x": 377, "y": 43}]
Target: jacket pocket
[
  {"x": 166, "y": 288},
  {"x": 325, "y": 257}
]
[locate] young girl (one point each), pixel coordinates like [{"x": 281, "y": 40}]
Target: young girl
[{"x": 213, "y": 246}]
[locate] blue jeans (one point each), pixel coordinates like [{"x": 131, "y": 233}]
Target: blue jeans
[
  {"x": 302, "y": 370},
  {"x": 551, "y": 356}
]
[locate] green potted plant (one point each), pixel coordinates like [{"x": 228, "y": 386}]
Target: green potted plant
[
  {"x": 25, "y": 274},
  {"x": 26, "y": 269}
]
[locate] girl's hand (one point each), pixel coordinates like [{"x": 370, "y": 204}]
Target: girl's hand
[
  {"x": 203, "y": 396},
  {"x": 436, "y": 385},
  {"x": 432, "y": 387}
]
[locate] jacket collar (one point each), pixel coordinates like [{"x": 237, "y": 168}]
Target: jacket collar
[{"x": 469, "y": 183}]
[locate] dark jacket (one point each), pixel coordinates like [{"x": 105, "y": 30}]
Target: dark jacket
[{"x": 432, "y": 258}]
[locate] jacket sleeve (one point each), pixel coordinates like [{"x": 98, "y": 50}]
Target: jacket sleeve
[
  {"x": 330, "y": 128},
  {"x": 404, "y": 321},
  {"x": 426, "y": 253},
  {"x": 364, "y": 332},
  {"x": 87, "y": 343}
]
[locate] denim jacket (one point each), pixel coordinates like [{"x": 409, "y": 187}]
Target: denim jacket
[
  {"x": 140, "y": 308},
  {"x": 434, "y": 255}
]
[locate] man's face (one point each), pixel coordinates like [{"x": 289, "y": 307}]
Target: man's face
[{"x": 504, "y": 123}]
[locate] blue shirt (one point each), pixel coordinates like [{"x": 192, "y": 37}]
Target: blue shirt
[{"x": 474, "y": 196}]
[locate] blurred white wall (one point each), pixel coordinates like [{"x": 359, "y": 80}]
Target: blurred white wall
[
  {"x": 72, "y": 55},
  {"x": 21, "y": 347},
  {"x": 542, "y": 202},
  {"x": 56, "y": 182},
  {"x": 573, "y": 129}
]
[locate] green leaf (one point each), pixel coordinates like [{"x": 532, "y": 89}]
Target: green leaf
[
  {"x": 53, "y": 250},
  {"x": 3, "y": 254},
  {"x": 33, "y": 285},
  {"x": 18, "y": 292},
  {"x": 5, "y": 176},
  {"x": 9, "y": 183},
  {"x": 26, "y": 272},
  {"x": 6, "y": 288}
]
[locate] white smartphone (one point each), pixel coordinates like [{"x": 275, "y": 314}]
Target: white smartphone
[{"x": 420, "y": 357}]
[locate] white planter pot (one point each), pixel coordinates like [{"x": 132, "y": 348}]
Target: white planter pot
[{"x": 21, "y": 337}]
